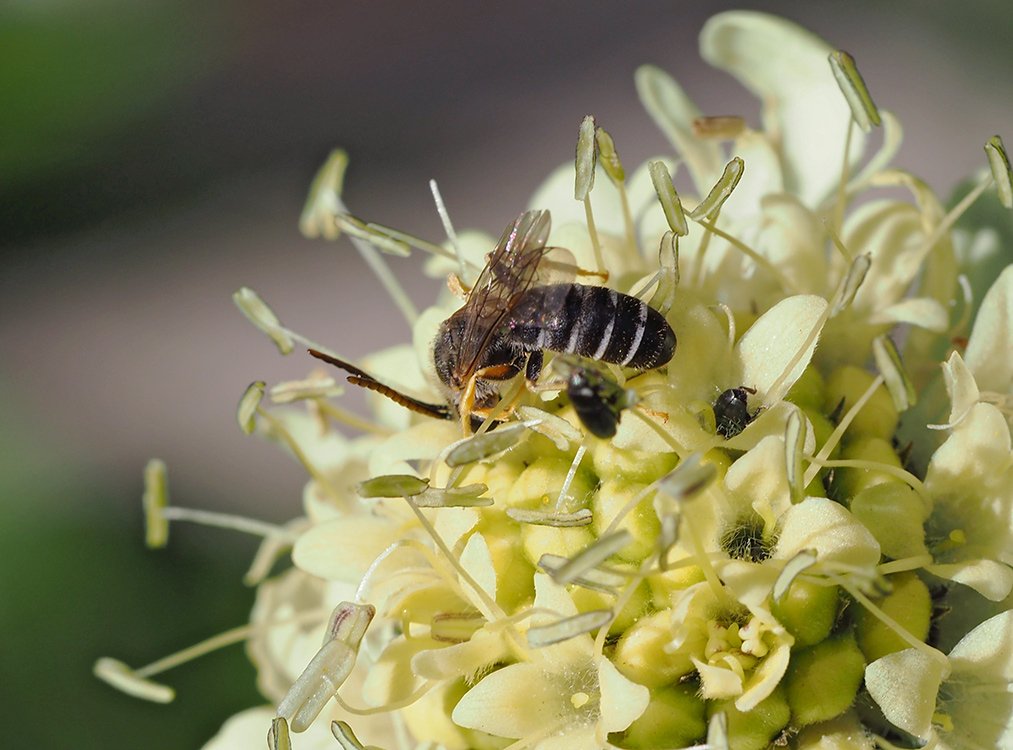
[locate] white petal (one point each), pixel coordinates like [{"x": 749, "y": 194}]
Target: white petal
[
  {"x": 905, "y": 685},
  {"x": 961, "y": 387},
  {"x": 828, "y": 528},
  {"x": 843, "y": 733},
  {"x": 991, "y": 579},
  {"x": 515, "y": 701},
  {"x": 477, "y": 560},
  {"x": 787, "y": 68},
  {"x": 775, "y": 340},
  {"x": 674, "y": 112},
  {"x": 342, "y": 550},
  {"x": 717, "y": 683},
  {"x": 987, "y": 651},
  {"x": 761, "y": 475},
  {"x": 920, "y": 311},
  {"x": 761, "y": 177},
  {"x": 974, "y": 457},
  {"x": 622, "y": 700},
  {"x": 467, "y": 658},
  {"x": 989, "y": 352},
  {"x": 766, "y": 676}
]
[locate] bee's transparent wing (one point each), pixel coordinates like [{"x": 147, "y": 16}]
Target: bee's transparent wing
[{"x": 510, "y": 271}]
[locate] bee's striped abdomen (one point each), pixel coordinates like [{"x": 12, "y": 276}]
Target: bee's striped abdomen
[{"x": 594, "y": 322}]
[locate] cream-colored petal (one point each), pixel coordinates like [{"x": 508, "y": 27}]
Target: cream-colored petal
[
  {"x": 574, "y": 738},
  {"x": 422, "y": 441},
  {"x": 830, "y": 530},
  {"x": 919, "y": 311},
  {"x": 771, "y": 423},
  {"x": 622, "y": 700},
  {"x": 991, "y": 579},
  {"x": 804, "y": 110},
  {"x": 461, "y": 659},
  {"x": 343, "y": 549},
  {"x": 516, "y": 701},
  {"x": 716, "y": 682},
  {"x": 761, "y": 683},
  {"x": 555, "y": 194},
  {"x": 905, "y": 685},
  {"x": 986, "y": 653},
  {"x": 750, "y": 583},
  {"x": 390, "y": 677},
  {"x": 673, "y": 112},
  {"x": 761, "y": 477},
  {"x": 975, "y": 456},
  {"x": 477, "y": 560},
  {"x": 989, "y": 352},
  {"x": 786, "y": 335},
  {"x": 961, "y": 387},
  {"x": 791, "y": 237},
  {"x": 842, "y": 733},
  {"x": 761, "y": 177}
]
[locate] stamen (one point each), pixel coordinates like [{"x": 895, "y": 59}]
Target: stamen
[
  {"x": 353, "y": 226},
  {"x": 246, "y": 413},
  {"x": 951, "y": 217},
  {"x": 838, "y": 433},
  {"x": 277, "y": 735},
  {"x": 117, "y": 674},
  {"x": 596, "y": 552},
  {"x": 154, "y": 501},
  {"x": 387, "y": 707},
  {"x": 601, "y": 578},
  {"x": 668, "y": 274},
  {"x": 853, "y": 279},
  {"x": 419, "y": 243},
  {"x": 581, "y": 517},
  {"x": 258, "y": 313},
  {"x": 709, "y": 207},
  {"x": 842, "y": 184},
  {"x": 719, "y": 127},
  {"x": 448, "y": 227},
  {"x": 613, "y": 167},
  {"x": 801, "y": 562},
  {"x": 998, "y": 164},
  {"x": 346, "y": 737},
  {"x": 228, "y": 521},
  {"x": 586, "y": 159},
  {"x": 343, "y": 416},
  {"x": 688, "y": 479},
  {"x": 555, "y": 428},
  {"x": 563, "y": 630},
  {"x": 863, "y": 109},
  {"x": 468, "y": 496},
  {"x": 455, "y": 627},
  {"x": 794, "y": 440},
  {"x": 318, "y": 387},
  {"x": 904, "y": 564},
  {"x": 270, "y": 549},
  {"x": 484, "y": 445},
  {"x": 577, "y": 458},
  {"x": 392, "y": 485},
  {"x": 668, "y": 197},
  {"x": 902, "y": 474},
  {"x": 324, "y": 198},
  {"x": 889, "y": 363},
  {"x": 329, "y": 668}
]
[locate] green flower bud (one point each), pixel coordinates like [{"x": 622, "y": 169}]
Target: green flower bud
[
  {"x": 674, "y": 718},
  {"x": 909, "y": 604},
  {"x": 640, "y": 653},
  {"x": 894, "y": 514},
  {"x": 807, "y": 611},
  {"x": 755, "y": 729},
  {"x": 808, "y": 390},
  {"x": 822, "y": 681},
  {"x": 554, "y": 540},
  {"x": 664, "y": 585},
  {"x": 589, "y": 599},
  {"x": 877, "y": 418},
  {"x": 537, "y": 486},
  {"x": 636, "y": 466},
  {"x": 642, "y": 522},
  {"x": 848, "y": 482}
]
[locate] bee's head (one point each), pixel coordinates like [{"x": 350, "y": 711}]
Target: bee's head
[{"x": 447, "y": 354}]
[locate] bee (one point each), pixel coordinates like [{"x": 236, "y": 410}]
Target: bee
[
  {"x": 514, "y": 313},
  {"x": 731, "y": 412}
]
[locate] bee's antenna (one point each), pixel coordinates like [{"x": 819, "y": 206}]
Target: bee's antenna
[{"x": 363, "y": 379}]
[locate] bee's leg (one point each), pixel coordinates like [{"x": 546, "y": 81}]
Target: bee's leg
[{"x": 533, "y": 368}]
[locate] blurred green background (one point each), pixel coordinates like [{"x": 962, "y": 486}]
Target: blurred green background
[{"x": 154, "y": 157}]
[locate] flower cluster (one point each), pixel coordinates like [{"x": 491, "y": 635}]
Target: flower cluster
[{"x": 775, "y": 546}]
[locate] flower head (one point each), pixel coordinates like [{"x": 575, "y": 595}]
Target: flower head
[{"x": 533, "y": 546}]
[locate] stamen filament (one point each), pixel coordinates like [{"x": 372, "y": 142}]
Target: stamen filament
[
  {"x": 343, "y": 416},
  {"x": 702, "y": 252},
  {"x": 758, "y": 259},
  {"x": 842, "y": 187},
  {"x": 228, "y": 521},
  {"x": 592, "y": 230},
  {"x": 853, "y": 463},
  {"x": 891, "y": 623},
  {"x": 577, "y": 458},
  {"x": 953, "y": 214},
  {"x": 907, "y": 563},
  {"x": 448, "y": 227},
  {"x": 282, "y": 432},
  {"x": 838, "y": 433},
  {"x": 226, "y": 638},
  {"x": 408, "y": 700}
]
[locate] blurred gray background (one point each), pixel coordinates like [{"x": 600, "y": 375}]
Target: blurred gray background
[{"x": 155, "y": 156}]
